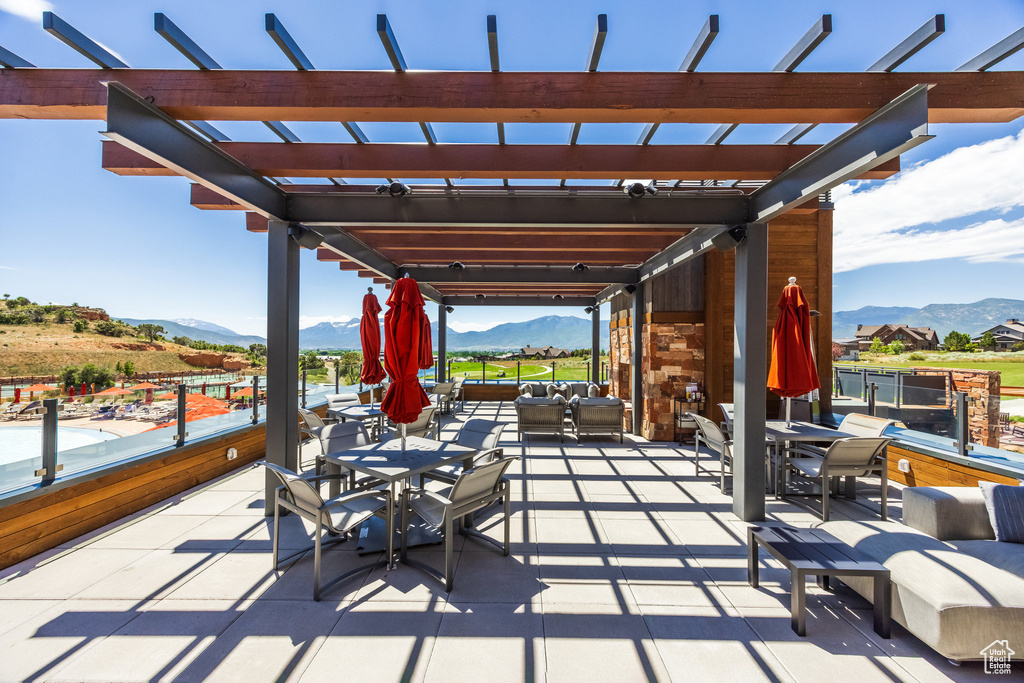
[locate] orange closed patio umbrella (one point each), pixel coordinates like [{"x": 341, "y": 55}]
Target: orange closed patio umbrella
[
  {"x": 39, "y": 387},
  {"x": 113, "y": 391},
  {"x": 793, "y": 371}
]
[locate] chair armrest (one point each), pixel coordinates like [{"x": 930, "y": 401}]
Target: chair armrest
[
  {"x": 427, "y": 493},
  {"x": 349, "y": 497},
  {"x": 326, "y": 477},
  {"x": 804, "y": 450}
]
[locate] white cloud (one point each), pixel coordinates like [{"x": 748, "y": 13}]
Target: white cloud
[
  {"x": 26, "y": 9},
  {"x": 895, "y": 222},
  {"x": 310, "y": 320},
  {"x": 462, "y": 326}
]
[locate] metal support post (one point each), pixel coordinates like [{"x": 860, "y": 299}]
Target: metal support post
[
  {"x": 595, "y": 344},
  {"x": 483, "y": 372},
  {"x": 337, "y": 383},
  {"x": 303, "y": 388},
  {"x": 552, "y": 372},
  {"x": 963, "y": 432},
  {"x": 282, "y": 352},
  {"x": 442, "y": 342},
  {"x": 179, "y": 438},
  {"x": 50, "y": 467},
  {"x": 518, "y": 373},
  {"x": 750, "y": 362},
  {"x": 636, "y": 394},
  {"x": 255, "y": 399},
  {"x": 872, "y": 398}
]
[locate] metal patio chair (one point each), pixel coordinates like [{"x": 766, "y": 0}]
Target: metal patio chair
[
  {"x": 481, "y": 435},
  {"x": 336, "y": 516},
  {"x": 857, "y": 456},
  {"x": 711, "y": 436},
  {"x": 473, "y": 490}
]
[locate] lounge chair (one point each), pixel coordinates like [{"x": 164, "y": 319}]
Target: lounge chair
[
  {"x": 597, "y": 416},
  {"x": 475, "y": 489},
  {"x": 540, "y": 415},
  {"x": 852, "y": 457},
  {"x": 337, "y": 516},
  {"x": 11, "y": 411}
]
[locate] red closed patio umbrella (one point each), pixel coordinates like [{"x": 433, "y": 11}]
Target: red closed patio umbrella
[
  {"x": 793, "y": 371},
  {"x": 83, "y": 391},
  {"x": 17, "y": 395},
  {"x": 369, "y": 335},
  {"x": 426, "y": 346},
  {"x": 403, "y": 340}
]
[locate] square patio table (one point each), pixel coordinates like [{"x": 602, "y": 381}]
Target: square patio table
[
  {"x": 363, "y": 413},
  {"x": 389, "y": 463},
  {"x": 779, "y": 434}
]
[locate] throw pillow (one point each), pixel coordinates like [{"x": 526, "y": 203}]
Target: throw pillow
[
  {"x": 593, "y": 391},
  {"x": 524, "y": 390},
  {"x": 552, "y": 391},
  {"x": 1005, "y": 510}
]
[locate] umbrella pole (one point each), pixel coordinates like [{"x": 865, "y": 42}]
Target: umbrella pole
[
  {"x": 789, "y": 407},
  {"x": 403, "y": 438}
]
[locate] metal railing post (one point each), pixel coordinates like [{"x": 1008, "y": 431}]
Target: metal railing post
[
  {"x": 872, "y": 390},
  {"x": 255, "y": 399},
  {"x": 179, "y": 438},
  {"x": 483, "y": 372},
  {"x": 518, "y": 362},
  {"x": 50, "y": 467},
  {"x": 899, "y": 387},
  {"x": 337, "y": 375},
  {"x": 864, "y": 383},
  {"x": 552, "y": 372},
  {"x": 303, "y": 388},
  {"x": 963, "y": 431},
  {"x": 835, "y": 382}
]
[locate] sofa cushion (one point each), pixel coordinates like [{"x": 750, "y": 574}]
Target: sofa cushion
[
  {"x": 593, "y": 391},
  {"x": 947, "y": 512},
  {"x": 552, "y": 390},
  {"x": 538, "y": 401},
  {"x": 1007, "y": 556},
  {"x": 597, "y": 401},
  {"x": 1005, "y": 506},
  {"x": 525, "y": 390},
  {"x": 956, "y": 603}
]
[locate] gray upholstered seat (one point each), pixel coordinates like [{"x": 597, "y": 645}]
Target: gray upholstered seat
[
  {"x": 481, "y": 435},
  {"x": 597, "y": 415},
  {"x": 424, "y": 426},
  {"x": 543, "y": 415},
  {"x": 856, "y": 456},
  {"x": 474, "y": 489},
  {"x": 336, "y": 516}
]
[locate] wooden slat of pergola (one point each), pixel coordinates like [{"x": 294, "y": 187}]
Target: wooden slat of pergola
[{"x": 531, "y": 97}]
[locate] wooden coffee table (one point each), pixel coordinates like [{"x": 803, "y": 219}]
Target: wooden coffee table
[{"x": 813, "y": 552}]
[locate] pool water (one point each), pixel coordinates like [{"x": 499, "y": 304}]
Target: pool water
[{"x": 21, "y": 443}]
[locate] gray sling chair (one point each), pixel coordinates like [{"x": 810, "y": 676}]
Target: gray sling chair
[
  {"x": 857, "y": 456},
  {"x": 338, "y": 516},
  {"x": 312, "y": 425},
  {"x": 341, "y": 437},
  {"x": 481, "y": 435},
  {"x": 474, "y": 489},
  {"x": 424, "y": 426},
  {"x": 711, "y": 436}
]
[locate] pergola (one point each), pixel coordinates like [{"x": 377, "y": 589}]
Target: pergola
[{"x": 504, "y": 244}]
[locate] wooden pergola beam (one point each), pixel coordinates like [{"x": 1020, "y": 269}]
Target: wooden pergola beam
[
  {"x": 596, "y": 162},
  {"x": 600, "y": 97}
]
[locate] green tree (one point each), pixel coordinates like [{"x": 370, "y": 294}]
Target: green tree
[
  {"x": 80, "y": 326},
  {"x": 184, "y": 341},
  {"x": 69, "y": 376},
  {"x": 109, "y": 328},
  {"x": 897, "y": 347},
  {"x": 36, "y": 314},
  {"x": 258, "y": 349},
  {"x": 118, "y": 369},
  {"x": 310, "y": 361},
  {"x": 128, "y": 368},
  {"x": 877, "y": 346},
  {"x": 1019, "y": 346},
  {"x": 12, "y": 303},
  {"x": 150, "y": 331},
  {"x": 62, "y": 316},
  {"x": 957, "y": 341},
  {"x": 988, "y": 341}
]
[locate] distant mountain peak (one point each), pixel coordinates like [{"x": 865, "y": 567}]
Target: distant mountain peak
[
  {"x": 973, "y": 318},
  {"x": 203, "y": 325}
]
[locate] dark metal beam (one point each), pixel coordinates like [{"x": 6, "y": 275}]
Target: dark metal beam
[
  {"x": 144, "y": 128},
  {"x": 577, "y": 301},
  {"x": 185, "y": 45},
  {"x": 287, "y": 44},
  {"x": 686, "y": 248},
  {"x": 721, "y": 133},
  {"x": 79, "y": 42},
  {"x": 617, "y": 210},
  {"x": 810, "y": 40},
  {"x": 597, "y": 42},
  {"x": 492, "y": 42},
  {"x": 10, "y": 60},
  {"x": 387, "y": 38},
  {"x": 997, "y": 53},
  {"x": 209, "y": 131},
  {"x": 700, "y": 46},
  {"x": 521, "y": 274},
  {"x": 282, "y": 131},
  {"x": 429, "y": 292},
  {"x": 348, "y": 246},
  {"x": 441, "y": 373},
  {"x": 911, "y": 45},
  {"x": 898, "y": 126}
]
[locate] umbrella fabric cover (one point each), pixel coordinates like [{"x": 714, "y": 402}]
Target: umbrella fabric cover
[
  {"x": 83, "y": 390},
  {"x": 793, "y": 371},
  {"x": 17, "y": 395},
  {"x": 403, "y": 329},
  {"x": 426, "y": 346},
  {"x": 369, "y": 334}
]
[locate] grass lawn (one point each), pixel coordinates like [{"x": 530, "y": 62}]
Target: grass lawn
[
  {"x": 571, "y": 369},
  {"x": 1010, "y": 365}
]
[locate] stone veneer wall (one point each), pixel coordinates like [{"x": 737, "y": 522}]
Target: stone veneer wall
[
  {"x": 619, "y": 359},
  {"x": 673, "y": 357},
  {"x": 982, "y": 388}
]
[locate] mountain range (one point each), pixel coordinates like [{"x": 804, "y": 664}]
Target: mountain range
[
  {"x": 565, "y": 332},
  {"x": 973, "y": 318}
]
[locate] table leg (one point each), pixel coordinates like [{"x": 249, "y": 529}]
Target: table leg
[
  {"x": 883, "y": 604},
  {"x": 798, "y": 601},
  {"x": 390, "y": 529},
  {"x": 823, "y": 581},
  {"x": 753, "y": 571}
]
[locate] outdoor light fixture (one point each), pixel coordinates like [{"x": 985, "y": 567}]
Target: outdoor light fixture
[
  {"x": 580, "y": 267},
  {"x": 557, "y": 297},
  {"x": 304, "y": 236},
  {"x": 395, "y": 189},
  {"x": 480, "y": 296},
  {"x": 588, "y": 309},
  {"x": 630, "y": 289},
  {"x": 638, "y": 189},
  {"x": 456, "y": 265},
  {"x": 449, "y": 309},
  {"x": 730, "y": 238}
]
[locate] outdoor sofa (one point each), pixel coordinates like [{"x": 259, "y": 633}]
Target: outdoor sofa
[
  {"x": 597, "y": 415},
  {"x": 565, "y": 389},
  {"x": 953, "y": 585},
  {"x": 540, "y": 415}
]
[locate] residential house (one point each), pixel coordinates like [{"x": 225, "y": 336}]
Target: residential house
[
  {"x": 913, "y": 338},
  {"x": 545, "y": 353},
  {"x": 1007, "y": 334}
]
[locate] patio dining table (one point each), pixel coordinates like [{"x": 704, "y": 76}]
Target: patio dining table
[
  {"x": 364, "y": 413},
  {"x": 780, "y": 435},
  {"x": 387, "y": 462}
]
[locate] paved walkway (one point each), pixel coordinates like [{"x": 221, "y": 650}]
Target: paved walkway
[{"x": 625, "y": 567}]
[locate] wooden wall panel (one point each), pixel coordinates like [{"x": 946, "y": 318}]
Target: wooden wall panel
[{"x": 926, "y": 470}]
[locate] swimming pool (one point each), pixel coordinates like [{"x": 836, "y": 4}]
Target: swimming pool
[{"x": 21, "y": 443}]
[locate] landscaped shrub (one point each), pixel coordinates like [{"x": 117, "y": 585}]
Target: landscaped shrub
[{"x": 916, "y": 356}]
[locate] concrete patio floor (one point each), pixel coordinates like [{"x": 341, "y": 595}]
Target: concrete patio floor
[{"x": 624, "y": 567}]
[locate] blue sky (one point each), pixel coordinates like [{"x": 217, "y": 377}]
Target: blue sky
[{"x": 947, "y": 229}]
